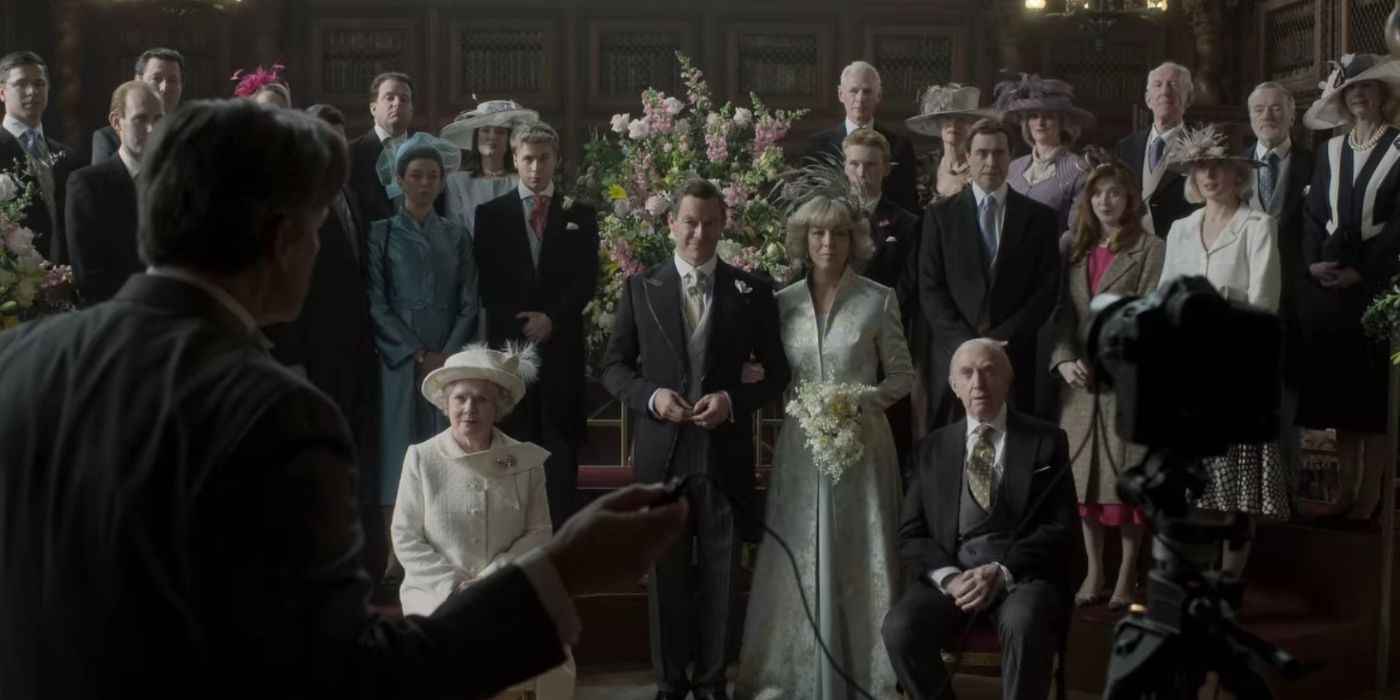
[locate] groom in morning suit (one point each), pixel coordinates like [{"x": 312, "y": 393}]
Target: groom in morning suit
[
  {"x": 990, "y": 524},
  {"x": 989, "y": 266},
  {"x": 684, "y": 330}
]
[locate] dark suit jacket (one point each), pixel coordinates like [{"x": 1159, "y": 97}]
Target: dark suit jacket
[
  {"x": 100, "y": 223},
  {"x": 48, "y": 234},
  {"x": 104, "y": 144},
  {"x": 1301, "y": 163},
  {"x": 333, "y": 338},
  {"x": 373, "y": 202},
  {"x": 208, "y": 520},
  {"x": 901, "y": 184},
  {"x": 1167, "y": 202},
  {"x": 963, "y": 300},
  {"x": 563, "y": 286},
  {"x": 647, "y": 352},
  {"x": 1046, "y": 544},
  {"x": 895, "y": 231}
]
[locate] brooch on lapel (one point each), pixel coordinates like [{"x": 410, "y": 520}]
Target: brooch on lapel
[
  {"x": 506, "y": 462},
  {"x": 742, "y": 286},
  {"x": 567, "y": 204}
]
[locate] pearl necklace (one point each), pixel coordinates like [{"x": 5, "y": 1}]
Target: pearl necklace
[{"x": 1370, "y": 142}]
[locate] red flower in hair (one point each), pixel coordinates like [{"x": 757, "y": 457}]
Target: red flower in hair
[{"x": 249, "y": 82}]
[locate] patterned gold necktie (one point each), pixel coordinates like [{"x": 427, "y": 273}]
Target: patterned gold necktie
[
  {"x": 694, "y": 299},
  {"x": 982, "y": 469}
]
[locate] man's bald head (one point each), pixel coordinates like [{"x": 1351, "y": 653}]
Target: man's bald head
[{"x": 980, "y": 374}]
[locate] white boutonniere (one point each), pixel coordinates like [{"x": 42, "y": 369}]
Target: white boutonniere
[
  {"x": 742, "y": 286},
  {"x": 567, "y": 204}
]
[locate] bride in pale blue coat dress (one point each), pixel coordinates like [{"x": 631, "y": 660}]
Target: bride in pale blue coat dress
[{"x": 836, "y": 327}]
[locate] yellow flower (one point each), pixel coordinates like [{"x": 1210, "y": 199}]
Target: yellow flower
[{"x": 616, "y": 192}]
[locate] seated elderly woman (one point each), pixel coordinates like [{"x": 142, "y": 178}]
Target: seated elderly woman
[{"x": 471, "y": 500}]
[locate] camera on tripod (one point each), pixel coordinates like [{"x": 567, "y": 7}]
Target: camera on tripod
[{"x": 1193, "y": 374}]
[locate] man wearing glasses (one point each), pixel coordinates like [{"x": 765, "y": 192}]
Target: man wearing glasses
[{"x": 23, "y": 145}]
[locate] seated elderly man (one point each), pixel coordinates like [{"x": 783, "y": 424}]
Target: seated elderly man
[
  {"x": 472, "y": 500},
  {"x": 989, "y": 526}
]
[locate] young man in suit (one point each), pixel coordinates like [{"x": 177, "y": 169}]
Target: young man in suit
[
  {"x": 391, "y": 106},
  {"x": 207, "y": 518},
  {"x": 1278, "y": 191},
  {"x": 683, "y": 332},
  {"x": 162, "y": 69},
  {"x": 47, "y": 162},
  {"x": 100, "y": 217},
  {"x": 988, "y": 267},
  {"x": 537, "y": 264},
  {"x": 860, "y": 93},
  {"x": 895, "y": 234},
  {"x": 990, "y": 527},
  {"x": 1169, "y": 92}
]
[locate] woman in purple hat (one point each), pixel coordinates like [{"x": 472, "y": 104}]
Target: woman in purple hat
[{"x": 1050, "y": 124}]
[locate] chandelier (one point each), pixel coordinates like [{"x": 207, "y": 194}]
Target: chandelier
[{"x": 1096, "y": 17}]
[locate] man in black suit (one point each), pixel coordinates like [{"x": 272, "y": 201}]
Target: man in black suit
[
  {"x": 988, "y": 267},
  {"x": 42, "y": 160},
  {"x": 391, "y": 106},
  {"x": 162, "y": 69},
  {"x": 100, "y": 217},
  {"x": 1278, "y": 190},
  {"x": 895, "y": 234},
  {"x": 1169, "y": 92},
  {"x": 684, "y": 330},
  {"x": 990, "y": 527},
  {"x": 859, "y": 92},
  {"x": 537, "y": 262},
  {"x": 170, "y": 492}
]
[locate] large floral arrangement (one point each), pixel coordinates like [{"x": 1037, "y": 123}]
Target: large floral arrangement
[
  {"x": 29, "y": 285},
  {"x": 829, "y": 414},
  {"x": 631, "y": 171}
]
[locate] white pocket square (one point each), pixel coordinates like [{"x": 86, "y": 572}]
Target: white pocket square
[
  {"x": 571, "y": 226},
  {"x": 890, "y": 239}
]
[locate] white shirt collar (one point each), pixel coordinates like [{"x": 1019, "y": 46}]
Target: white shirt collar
[
  {"x": 981, "y": 194},
  {"x": 998, "y": 424},
  {"x": 220, "y": 294},
  {"x": 17, "y": 127},
  {"x": 133, "y": 166},
  {"x": 707, "y": 267},
  {"x": 872, "y": 205},
  {"x": 1282, "y": 150},
  {"x": 852, "y": 126},
  {"x": 526, "y": 193},
  {"x": 1165, "y": 134},
  {"x": 382, "y": 134}
]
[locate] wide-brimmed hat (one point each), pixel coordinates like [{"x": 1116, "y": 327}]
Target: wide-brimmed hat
[
  {"x": 511, "y": 370},
  {"x": 506, "y": 113},
  {"x": 387, "y": 167},
  {"x": 1032, "y": 93},
  {"x": 1191, "y": 147},
  {"x": 1329, "y": 111},
  {"x": 951, "y": 100}
]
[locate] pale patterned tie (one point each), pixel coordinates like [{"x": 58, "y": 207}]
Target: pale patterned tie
[
  {"x": 1159, "y": 148},
  {"x": 982, "y": 475},
  {"x": 694, "y": 298},
  {"x": 32, "y": 144},
  {"x": 1268, "y": 179},
  {"x": 987, "y": 223}
]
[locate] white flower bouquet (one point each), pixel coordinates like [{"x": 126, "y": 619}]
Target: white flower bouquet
[{"x": 829, "y": 414}]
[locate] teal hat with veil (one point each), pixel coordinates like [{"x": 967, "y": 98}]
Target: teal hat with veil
[{"x": 388, "y": 169}]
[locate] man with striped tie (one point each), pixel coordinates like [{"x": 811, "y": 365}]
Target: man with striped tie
[
  {"x": 991, "y": 528},
  {"x": 24, "y": 146}
]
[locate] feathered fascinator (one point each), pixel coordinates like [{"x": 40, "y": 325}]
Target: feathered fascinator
[
  {"x": 511, "y": 369},
  {"x": 822, "y": 175},
  {"x": 249, "y": 82},
  {"x": 1200, "y": 145},
  {"x": 1032, "y": 93},
  {"x": 951, "y": 100}
]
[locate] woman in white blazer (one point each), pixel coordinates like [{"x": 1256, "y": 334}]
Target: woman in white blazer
[
  {"x": 1234, "y": 247},
  {"x": 471, "y": 499}
]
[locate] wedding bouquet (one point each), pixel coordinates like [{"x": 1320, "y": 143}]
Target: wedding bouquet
[
  {"x": 631, "y": 172},
  {"x": 30, "y": 286},
  {"x": 829, "y": 414}
]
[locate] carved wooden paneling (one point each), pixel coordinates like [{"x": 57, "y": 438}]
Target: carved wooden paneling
[
  {"x": 1363, "y": 26},
  {"x": 1114, "y": 76},
  {"x": 346, "y": 54},
  {"x": 1290, "y": 41},
  {"x": 626, "y": 57},
  {"x": 911, "y": 58},
  {"x": 205, "y": 48},
  {"x": 515, "y": 58},
  {"x": 786, "y": 64}
]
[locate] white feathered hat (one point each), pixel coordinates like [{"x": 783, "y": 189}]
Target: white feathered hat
[{"x": 511, "y": 370}]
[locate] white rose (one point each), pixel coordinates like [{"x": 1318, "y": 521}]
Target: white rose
[
  {"x": 619, "y": 123},
  {"x": 743, "y": 117},
  {"x": 621, "y": 208},
  {"x": 657, "y": 205},
  {"x": 8, "y": 187},
  {"x": 638, "y": 130},
  {"x": 672, "y": 105}
]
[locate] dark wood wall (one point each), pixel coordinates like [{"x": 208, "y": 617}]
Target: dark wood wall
[{"x": 579, "y": 61}]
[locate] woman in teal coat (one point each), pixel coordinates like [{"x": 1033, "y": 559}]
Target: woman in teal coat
[{"x": 423, "y": 302}]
